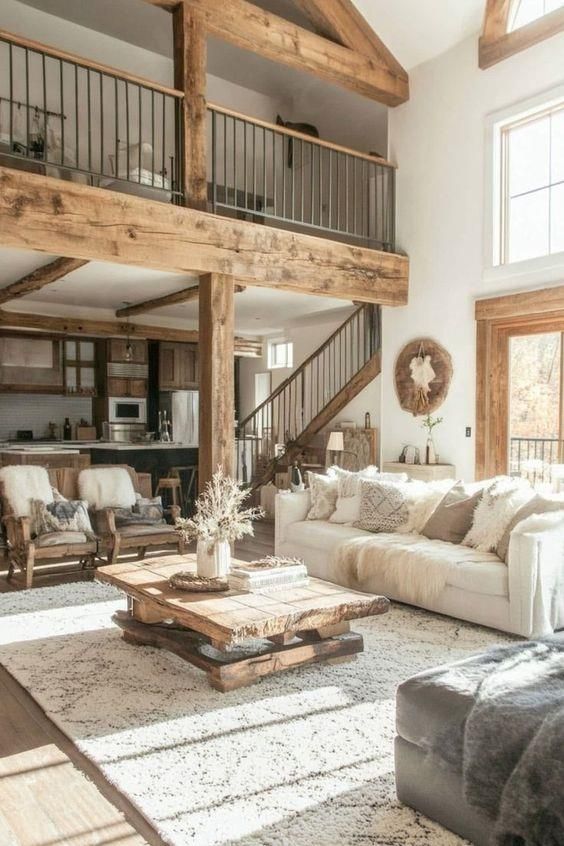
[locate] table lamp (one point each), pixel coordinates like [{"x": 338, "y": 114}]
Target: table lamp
[{"x": 335, "y": 444}]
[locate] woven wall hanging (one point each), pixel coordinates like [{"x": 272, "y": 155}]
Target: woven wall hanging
[{"x": 422, "y": 376}]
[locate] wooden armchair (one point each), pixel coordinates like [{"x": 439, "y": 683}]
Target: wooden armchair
[
  {"x": 139, "y": 536},
  {"x": 25, "y": 551}
]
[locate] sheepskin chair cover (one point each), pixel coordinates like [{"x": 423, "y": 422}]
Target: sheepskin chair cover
[
  {"x": 22, "y": 484},
  {"x": 106, "y": 487}
]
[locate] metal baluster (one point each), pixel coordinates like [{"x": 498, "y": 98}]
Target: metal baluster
[
  {"x": 139, "y": 133},
  {"x": 11, "y": 86},
  {"x": 89, "y": 105},
  {"x": 320, "y": 166},
  {"x": 76, "y": 133},
  {"x": 102, "y": 128},
  {"x": 274, "y": 175},
  {"x": 264, "y": 170},
  {"x": 245, "y": 128},
  {"x": 302, "y": 169},
  {"x": 214, "y": 162},
  {"x": 293, "y": 213},
  {"x": 254, "y": 167},
  {"x": 44, "y": 85},
  {"x": 163, "y": 142},
  {"x": 26, "y": 53},
  {"x": 311, "y": 181},
  {"x": 62, "y": 110},
  {"x": 235, "y": 193}
]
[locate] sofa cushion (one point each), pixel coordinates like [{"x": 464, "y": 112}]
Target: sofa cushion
[
  {"x": 383, "y": 506},
  {"x": 61, "y": 538},
  {"x": 498, "y": 505},
  {"x": 467, "y": 569},
  {"x": 323, "y": 491},
  {"x": 149, "y": 529},
  {"x": 452, "y": 519}
]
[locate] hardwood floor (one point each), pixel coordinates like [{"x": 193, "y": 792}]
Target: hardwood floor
[{"x": 50, "y": 794}]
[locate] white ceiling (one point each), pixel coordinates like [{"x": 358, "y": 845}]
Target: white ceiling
[
  {"x": 98, "y": 289},
  {"x": 414, "y": 30}
]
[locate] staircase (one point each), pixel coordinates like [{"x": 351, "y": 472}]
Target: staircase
[{"x": 275, "y": 433}]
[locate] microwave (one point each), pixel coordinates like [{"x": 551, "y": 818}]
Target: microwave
[{"x": 127, "y": 410}]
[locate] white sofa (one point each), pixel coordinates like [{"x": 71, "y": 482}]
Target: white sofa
[{"x": 524, "y": 597}]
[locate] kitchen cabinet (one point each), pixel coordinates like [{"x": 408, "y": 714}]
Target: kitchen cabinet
[
  {"x": 126, "y": 378},
  {"x": 79, "y": 360},
  {"x": 125, "y": 387},
  {"x": 30, "y": 364},
  {"x": 178, "y": 366}
]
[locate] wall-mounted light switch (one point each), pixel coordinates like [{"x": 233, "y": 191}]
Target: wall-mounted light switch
[{"x": 468, "y": 431}]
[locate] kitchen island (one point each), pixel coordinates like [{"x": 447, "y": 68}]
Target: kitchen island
[{"x": 153, "y": 457}]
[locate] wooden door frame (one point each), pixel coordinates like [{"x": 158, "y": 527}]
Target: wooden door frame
[{"x": 498, "y": 320}]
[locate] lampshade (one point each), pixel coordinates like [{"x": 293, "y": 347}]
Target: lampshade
[{"x": 336, "y": 442}]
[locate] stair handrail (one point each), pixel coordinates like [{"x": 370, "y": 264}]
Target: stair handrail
[{"x": 295, "y": 374}]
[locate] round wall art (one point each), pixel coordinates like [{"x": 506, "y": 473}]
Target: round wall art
[{"x": 422, "y": 376}]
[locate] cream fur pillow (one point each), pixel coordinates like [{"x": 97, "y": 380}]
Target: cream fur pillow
[
  {"x": 498, "y": 505},
  {"x": 106, "y": 487}
]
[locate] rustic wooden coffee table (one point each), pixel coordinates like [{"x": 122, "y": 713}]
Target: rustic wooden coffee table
[{"x": 289, "y": 627}]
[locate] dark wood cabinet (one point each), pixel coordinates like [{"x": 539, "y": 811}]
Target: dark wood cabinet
[
  {"x": 178, "y": 366},
  {"x": 117, "y": 351},
  {"x": 30, "y": 364}
]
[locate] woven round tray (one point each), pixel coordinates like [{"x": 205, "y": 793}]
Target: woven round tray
[{"x": 192, "y": 582}]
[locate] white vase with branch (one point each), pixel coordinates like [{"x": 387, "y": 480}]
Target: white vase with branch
[{"x": 219, "y": 520}]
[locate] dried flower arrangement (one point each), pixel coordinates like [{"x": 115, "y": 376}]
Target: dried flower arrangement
[{"x": 219, "y": 513}]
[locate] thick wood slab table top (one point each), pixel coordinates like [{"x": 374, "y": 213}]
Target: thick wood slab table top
[{"x": 233, "y": 616}]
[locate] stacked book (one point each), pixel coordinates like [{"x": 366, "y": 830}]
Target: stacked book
[{"x": 271, "y": 573}]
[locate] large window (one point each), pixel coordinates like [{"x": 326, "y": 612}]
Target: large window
[
  {"x": 524, "y": 12},
  {"x": 531, "y": 185},
  {"x": 280, "y": 354}
]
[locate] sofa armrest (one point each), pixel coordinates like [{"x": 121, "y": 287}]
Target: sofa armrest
[
  {"x": 536, "y": 574},
  {"x": 106, "y": 522},
  {"x": 18, "y": 530},
  {"x": 289, "y": 508}
]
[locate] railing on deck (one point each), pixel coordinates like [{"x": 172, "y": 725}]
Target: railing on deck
[
  {"x": 274, "y": 174},
  {"x": 541, "y": 460},
  {"x": 71, "y": 118},
  {"x": 281, "y": 419}
]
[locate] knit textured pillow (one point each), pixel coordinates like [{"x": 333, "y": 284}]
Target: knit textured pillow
[{"x": 383, "y": 506}]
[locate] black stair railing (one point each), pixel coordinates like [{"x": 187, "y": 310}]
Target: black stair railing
[{"x": 265, "y": 436}]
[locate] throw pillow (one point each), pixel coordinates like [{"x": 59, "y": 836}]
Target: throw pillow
[
  {"x": 150, "y": 509},
  {"x": 422, "y": 499},
  {"x": 452, "y": 518},
  {"x": 323, "y": 492},
  {"x": 500, "y": 501},
  {"x": 536, "y": 505},
  {"x": 349, "y": 481},
  {"x": 347, "y": 510},
  {"x": 383, "y": 506},
  {"x": 61, "y": 516}
]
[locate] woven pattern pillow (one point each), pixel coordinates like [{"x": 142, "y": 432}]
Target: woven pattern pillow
[
  {"x": 323, "y": 491},
  {"x": 383, "y": 506},
  {"x": 61, "y": 516}
]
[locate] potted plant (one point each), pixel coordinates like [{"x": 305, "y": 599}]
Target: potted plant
[
  {"x": 429, "y": 423},
  {"x": 219, "y": 521}
]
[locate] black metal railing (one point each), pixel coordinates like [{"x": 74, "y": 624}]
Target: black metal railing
[
  {"x": 541, "y": 460},
  {"x": 273, "y": 174},
  {"x": 73, "y": 119},
  {"x": 288, "y": 417}
]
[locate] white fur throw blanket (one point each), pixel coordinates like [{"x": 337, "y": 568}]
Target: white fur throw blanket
[
  {"x": 406, "y": 566},
  {"x": 106, "y": 487},
  {"x": 23, "y": 484}
]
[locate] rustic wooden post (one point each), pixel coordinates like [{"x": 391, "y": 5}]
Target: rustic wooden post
[
  {"x": 190, "y": 62},
  {"x": 217, "y": 407}
]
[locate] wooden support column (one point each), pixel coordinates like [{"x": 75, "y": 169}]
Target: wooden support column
[
  {"x": 217, "y": 405},
  {"x": 190, "y": 62}
]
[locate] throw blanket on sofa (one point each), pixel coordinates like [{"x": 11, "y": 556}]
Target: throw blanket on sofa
[
  {"x": 395, "y": 565},
  {"x": 510, "y": 747}
]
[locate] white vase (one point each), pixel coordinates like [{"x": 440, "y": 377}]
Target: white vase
[
  {"x": 213, "y": 559},
  {"x": 430, "y": 454}
]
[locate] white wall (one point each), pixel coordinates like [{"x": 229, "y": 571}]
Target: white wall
[{"x": 438, "y": 140}]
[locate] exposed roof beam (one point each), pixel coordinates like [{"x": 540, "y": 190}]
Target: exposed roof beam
[
  {"x": 37, "y": 279},
  {"x": 183, "y": 296},
  {"x": 251, "y": 28},
  {"x": 42, "y": 213},
  {"x": 496, "y": 19},
  {"x": 342, "y": 22},
  {"x": 510, "y": 43},
  {"x": 111, "y": 329}
]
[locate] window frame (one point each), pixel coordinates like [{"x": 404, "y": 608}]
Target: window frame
[
  {"x": 289, "y": 359},
  {"x": 540, "y": 269}
]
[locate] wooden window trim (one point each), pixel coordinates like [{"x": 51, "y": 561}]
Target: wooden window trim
[
  {"x": 498, "y": 320},
  {"x": 496, "y": 45}
]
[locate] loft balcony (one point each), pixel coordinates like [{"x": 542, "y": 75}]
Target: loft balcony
[{"x": 80, "y": 121}]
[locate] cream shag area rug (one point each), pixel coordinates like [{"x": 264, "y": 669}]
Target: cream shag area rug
[{"x": 304, "y": 758}]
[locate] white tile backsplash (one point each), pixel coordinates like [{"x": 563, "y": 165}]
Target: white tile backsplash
[{"x": 35, "y": 411}]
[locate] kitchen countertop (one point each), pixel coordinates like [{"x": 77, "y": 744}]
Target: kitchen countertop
[{"x": 75, "y": 446}]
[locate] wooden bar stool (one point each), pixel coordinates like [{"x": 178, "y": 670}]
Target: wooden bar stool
[
  {"x": 173, "y": 486},
  {"x": 187, "y": 475}
]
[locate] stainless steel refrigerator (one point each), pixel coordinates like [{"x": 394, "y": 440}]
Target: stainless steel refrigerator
[{"x": 183, "y": 408}]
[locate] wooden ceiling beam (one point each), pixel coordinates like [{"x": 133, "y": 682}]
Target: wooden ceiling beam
[
  {"x": 37, "y": 279},
  {"x": 496, "y": 19},
  {"x": 183, "y": 296},
  {"x": 341, "y": 21},
  {"x": 494, "y": 49},
  {"x": 42, "y": 213},
  {"x": 247, "y": 26},
  {"x": 245, "y": 347}
]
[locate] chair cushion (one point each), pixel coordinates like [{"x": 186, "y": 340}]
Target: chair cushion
[
  {"x": 60, "y": 539},
  {"x": 62, "y": 516},
  {"x": 147, "y": 530},
  {"x": 22, "y": 484},
  {"x": 106, "y": 487}
]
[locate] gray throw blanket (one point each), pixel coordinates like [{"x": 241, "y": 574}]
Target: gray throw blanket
[{"x": 510, "y": 747}]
